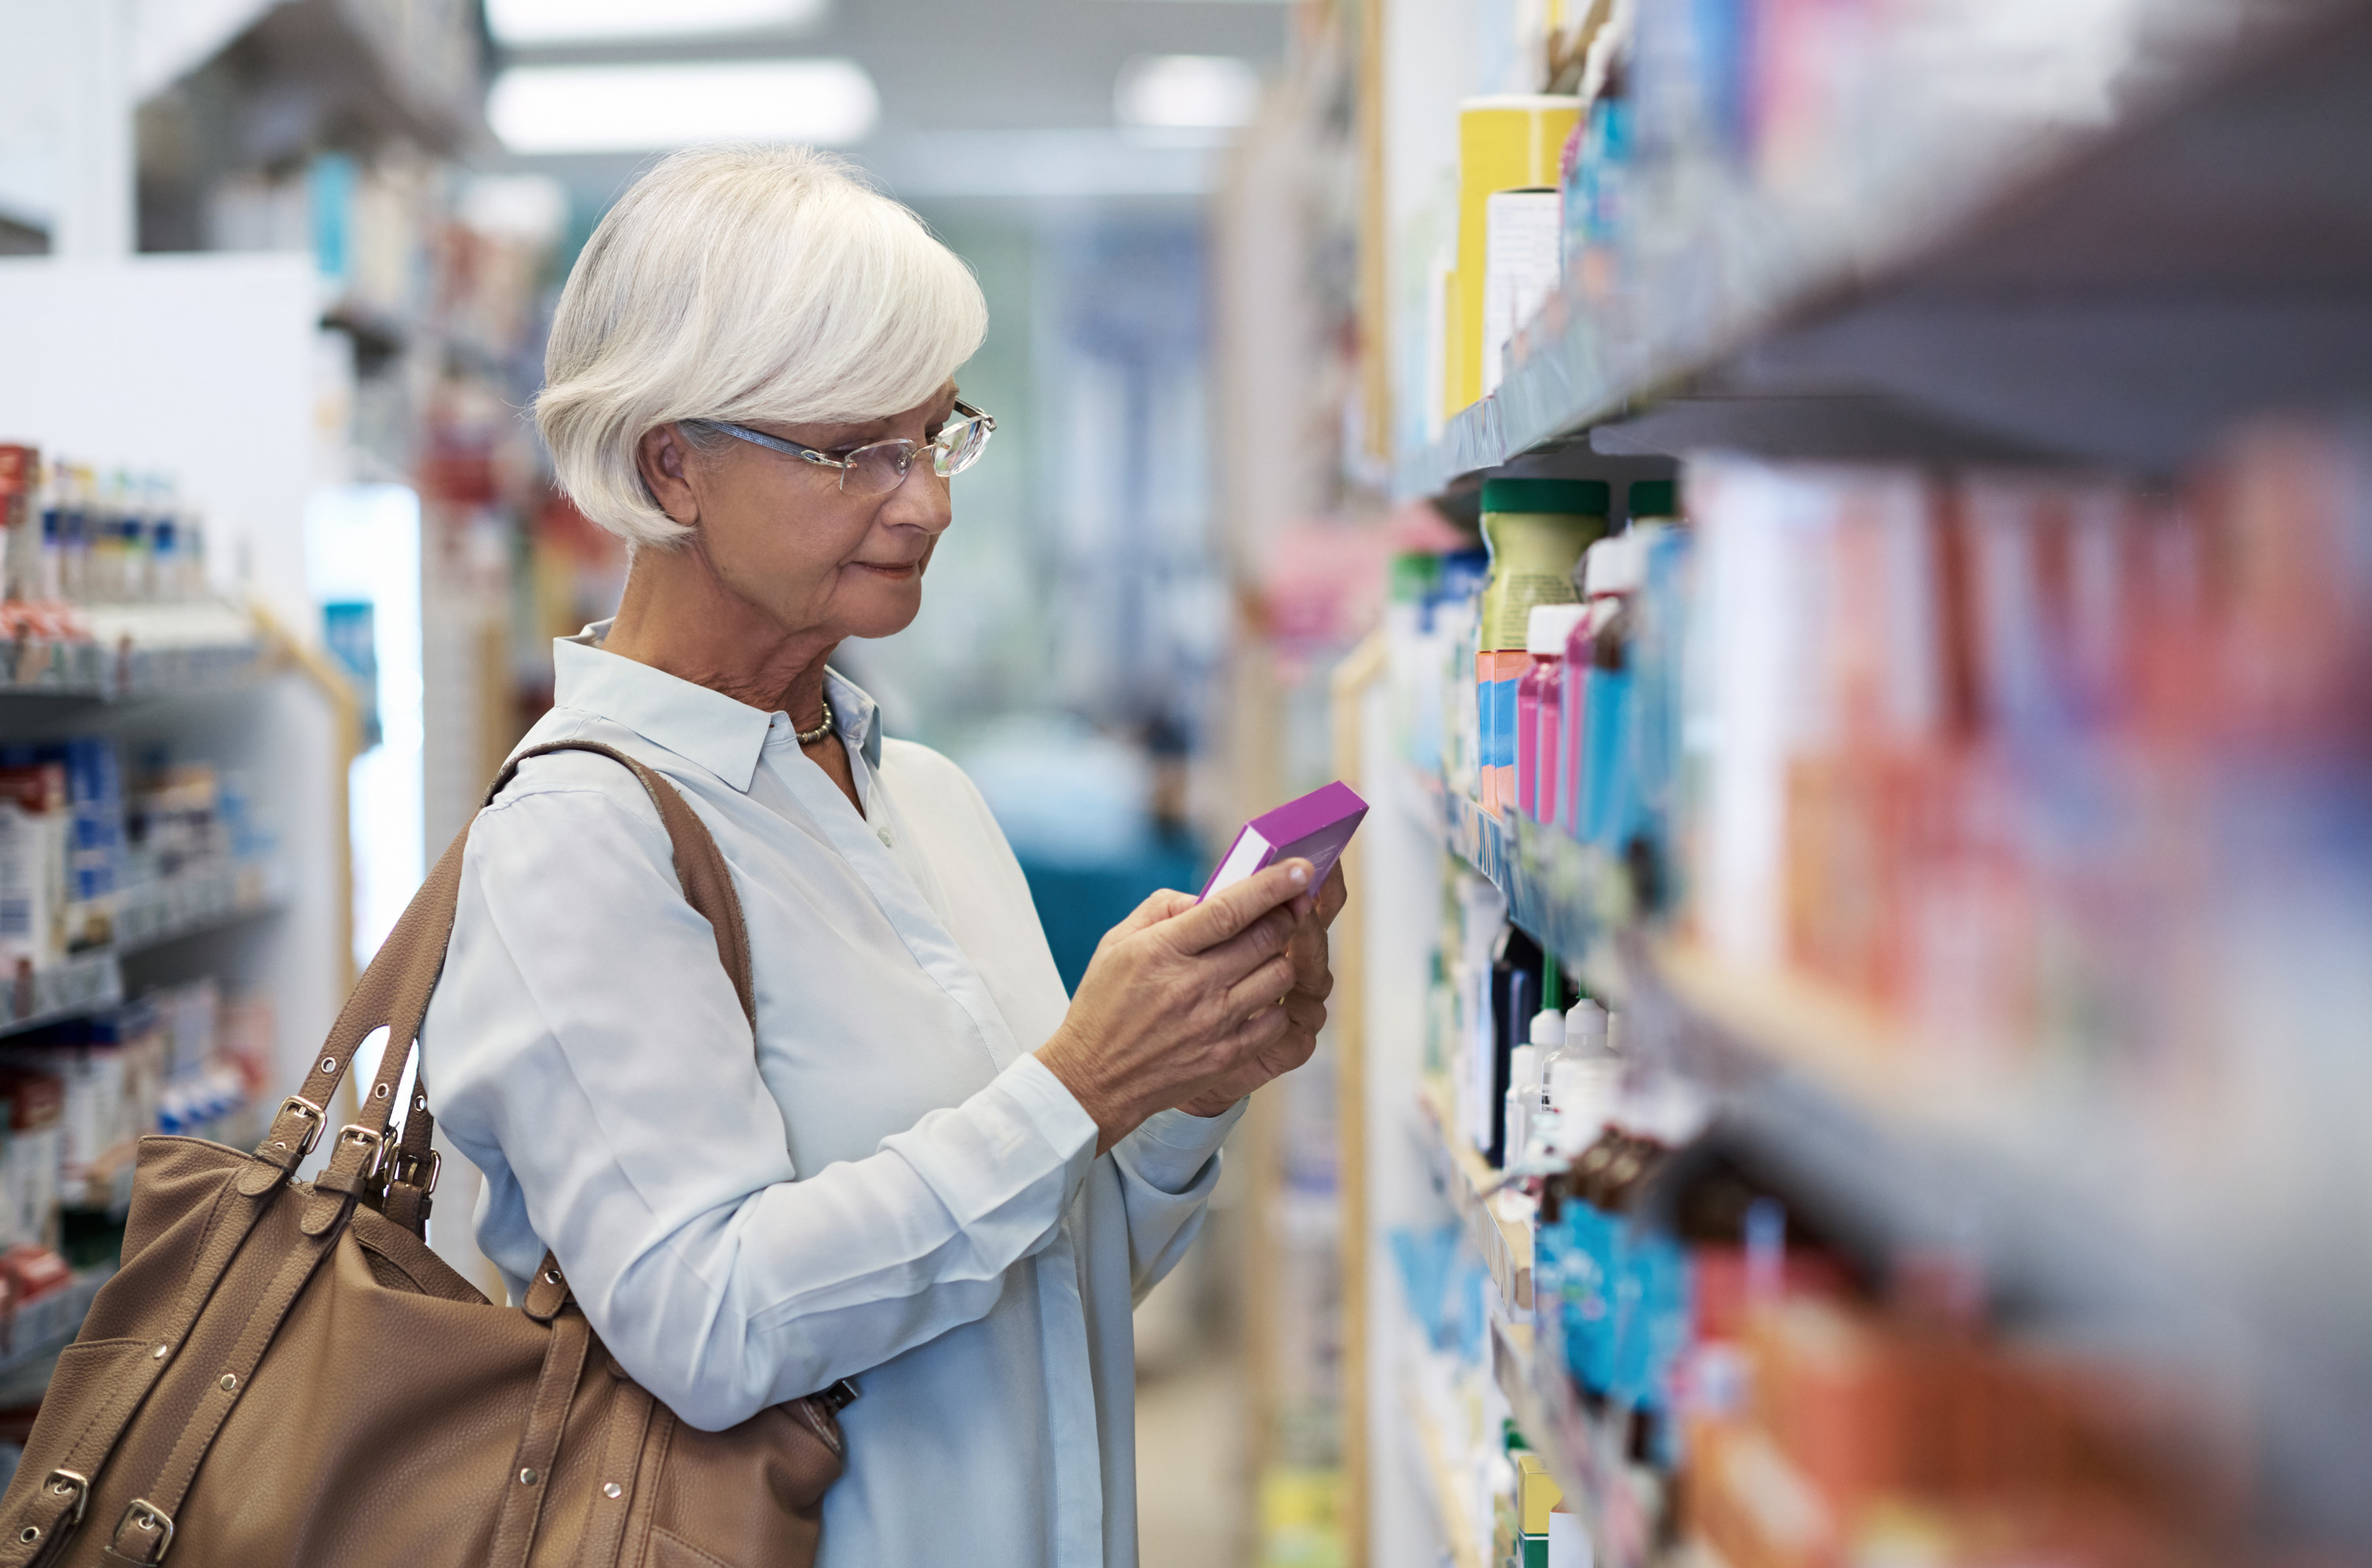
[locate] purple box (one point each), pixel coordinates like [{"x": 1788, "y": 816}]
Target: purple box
[{"x": 1316, "y": 828}]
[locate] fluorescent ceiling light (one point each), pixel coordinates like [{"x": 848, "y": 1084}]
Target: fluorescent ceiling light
[
  {"x": 521, "y": 23},
  {"x": 1186, "y": 92},
  {"x": 634, "y": 109}
]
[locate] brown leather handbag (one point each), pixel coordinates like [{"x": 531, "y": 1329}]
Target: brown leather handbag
[{"x": 283, "y": 1372}]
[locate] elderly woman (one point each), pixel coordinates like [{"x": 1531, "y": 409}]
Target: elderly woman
[{"x": 929, "y": 1170}]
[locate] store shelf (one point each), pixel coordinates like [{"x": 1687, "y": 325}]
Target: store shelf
[
  {"x": 1568, "y": 899},
  {"x": 1838, "y": 1096},
  {"x": 1472, "y": 1186},
  {"x": 1584, "y": 1454},
  {"x": 83, "y": 983},
  {"x": 1587, "y": 1460},
  {"x": 147, "y": 917},
  {"x": 1448, "y": 1497},
  {"x": 36, "y": 1333},
  {"x": 2117, "y": 292},
  {"x": 175, "y": 907},
  {"x": 135, "y": 652}
]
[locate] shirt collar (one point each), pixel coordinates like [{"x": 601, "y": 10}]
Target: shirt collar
[
  {"x": 719, "y": 732},
  {"x": 855, "y": 713}
]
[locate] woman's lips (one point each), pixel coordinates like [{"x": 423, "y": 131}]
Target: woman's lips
[{"x": 896, "y": 569}]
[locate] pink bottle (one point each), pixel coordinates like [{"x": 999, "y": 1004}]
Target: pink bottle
[
  {"x": 1609, "y": 570},
  {"x": 1539, "y": 706},
  {"x": 1572, "y": 680}
]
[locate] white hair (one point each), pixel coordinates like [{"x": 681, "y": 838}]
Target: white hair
[{"x": 743, "y": 283}]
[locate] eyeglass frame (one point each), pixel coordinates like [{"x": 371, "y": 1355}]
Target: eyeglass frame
[{"x": 847, "y": 464}]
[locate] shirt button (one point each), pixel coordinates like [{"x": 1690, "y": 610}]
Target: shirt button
[{"x": 884, "y": 835}]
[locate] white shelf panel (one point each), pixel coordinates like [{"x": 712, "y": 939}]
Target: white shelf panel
[
  {"x": 136, "y": 651},
  {"x": 146, "y": 917}
]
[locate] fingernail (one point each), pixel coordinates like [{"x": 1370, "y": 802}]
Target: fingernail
[{"x": 1300, "y": 875}]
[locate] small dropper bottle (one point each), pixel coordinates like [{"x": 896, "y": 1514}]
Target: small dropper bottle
[
  {"x": 1524, "y": 1081},
  {"x": 1582, "y": 1081}
]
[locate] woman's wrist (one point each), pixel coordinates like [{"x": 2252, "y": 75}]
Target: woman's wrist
[
  {"x": 1210, "y": 1105},
  {"x": 1073, "y": 1067}
]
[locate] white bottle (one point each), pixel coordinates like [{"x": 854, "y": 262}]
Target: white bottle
[
  {"x": 1584, "y": 1081},
  {"x": 1516, "y": 1113},
  {"x": 1540, "y": 1148},
  {"x": 1526, "y": 1065}
]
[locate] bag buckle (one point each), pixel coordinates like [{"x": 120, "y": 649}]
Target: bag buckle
[
  {"x": 69, "y": 1483},
  {"x": 837, "y": 1397},
  {"x": 314, "y": 1122},
  {"x": 355, "y": 1132},
  {"x": 363, "y": 1177},
  {"x": 151, "y": 1520},
  {"x": 406, "y": 1169}
]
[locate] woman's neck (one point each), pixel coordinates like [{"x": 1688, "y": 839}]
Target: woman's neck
[{"x": 677, "y": 616}]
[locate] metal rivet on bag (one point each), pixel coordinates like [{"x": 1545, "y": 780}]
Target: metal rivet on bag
[
  {"x": 611, "y": 1489},
  {"x": 527, "y": 1478},
  {"x": 231, "y": 1382},
  {"x": 161, "y": 1352},
  {"x": 378, "y": 1091},
  {"x": 30, "y": 1534},
  {"x": 552, "y": 1276},
  {"x": 328, "y": 1065}
]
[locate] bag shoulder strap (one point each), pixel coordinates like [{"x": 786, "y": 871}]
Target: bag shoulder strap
[
  {"x": 394, "y": 991},
  {"x": 699, "y": 863}
]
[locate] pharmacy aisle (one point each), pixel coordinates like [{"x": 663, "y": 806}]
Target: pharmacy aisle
[
  {"x": 174, "y": 907},
  {"x": 1859, "y": 1043},
  {"x": 198, "y": 676}
]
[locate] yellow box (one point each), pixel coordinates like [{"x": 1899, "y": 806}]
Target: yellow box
[
  {"x": 1504, "y": 143},
  {"x": 1537, "y": 1494}
]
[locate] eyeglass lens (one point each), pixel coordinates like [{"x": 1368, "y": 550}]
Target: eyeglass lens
[
  {"x": 881, "y": 468},
  {"x": 876, "y": 469}
]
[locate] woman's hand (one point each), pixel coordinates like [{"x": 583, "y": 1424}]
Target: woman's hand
[
  {"x": 1304, "y": 1005},
  {"x": 1183, "y": 1000}
]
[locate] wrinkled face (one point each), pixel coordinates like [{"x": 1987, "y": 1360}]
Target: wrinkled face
[{"x": 781, "y": 534}]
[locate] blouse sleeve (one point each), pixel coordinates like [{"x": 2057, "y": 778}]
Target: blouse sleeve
[
  {"x": 585, "y": 1029},
  {"x": 1168, "y": 1168}
]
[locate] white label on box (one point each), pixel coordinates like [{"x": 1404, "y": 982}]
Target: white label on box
[{"x": 1521, "y": 268}]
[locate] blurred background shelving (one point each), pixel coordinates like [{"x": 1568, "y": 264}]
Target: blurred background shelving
[{"x": 2086, "y": 254}]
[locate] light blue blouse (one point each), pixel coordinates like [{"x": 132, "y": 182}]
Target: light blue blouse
[{"x": 884, "y": 1184}]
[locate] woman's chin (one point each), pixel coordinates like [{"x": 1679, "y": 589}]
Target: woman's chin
[{"x": 888, "y": 607}]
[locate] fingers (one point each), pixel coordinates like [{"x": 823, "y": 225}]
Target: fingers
[
  {"x": 1268, "y": 937},
  {"x": 1233, "y": 909},
  {"x": 1311, "y": 971},
  {"x": 1256, "y": 1036},
  {"x": 1308, "y": 1014},
  {"x": 1158, "y": 907},
  {"x": 1332, "y": 896},
  {"x": 1262, "y": 988}
]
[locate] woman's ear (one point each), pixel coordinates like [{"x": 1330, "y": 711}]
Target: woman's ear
[{"x": 664, "y": 457}]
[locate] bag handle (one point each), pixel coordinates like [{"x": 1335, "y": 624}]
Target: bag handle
[{"x": 395, "y": 992}]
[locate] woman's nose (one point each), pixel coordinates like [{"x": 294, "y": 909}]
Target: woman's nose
[{"x": 923, "y": 499}]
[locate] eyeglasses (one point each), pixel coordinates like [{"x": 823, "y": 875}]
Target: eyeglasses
[{"x": 881, "y": 468}]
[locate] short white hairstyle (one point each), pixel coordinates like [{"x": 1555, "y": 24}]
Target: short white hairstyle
[{"x": 743, "y": 283}]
